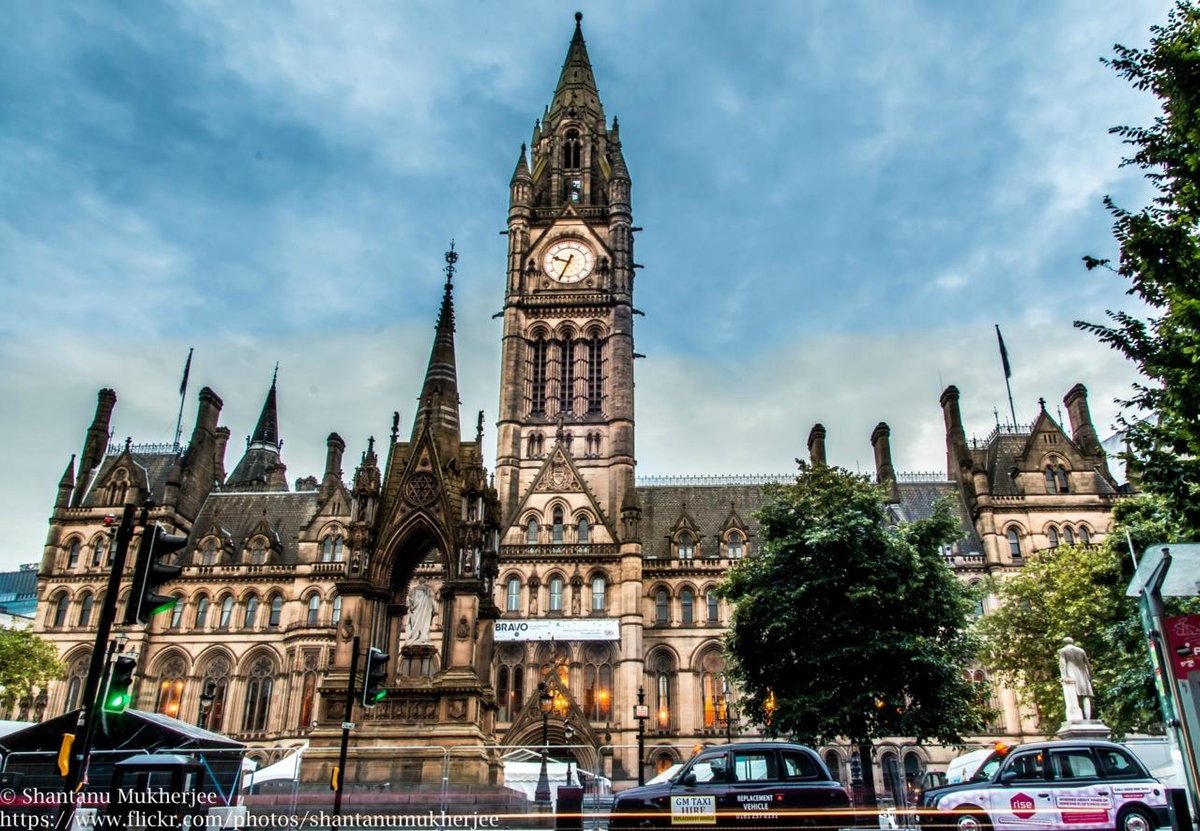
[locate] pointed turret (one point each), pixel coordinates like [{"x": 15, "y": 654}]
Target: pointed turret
[
  {"x": 521, "y": 174},
  {"x": 520, "y": 189},
  {"x": 261, "y": 468},
  {"x": 576, "y": 90},
  {"x": 66, "y": 484},
  {"x": 438, "y": 407}
]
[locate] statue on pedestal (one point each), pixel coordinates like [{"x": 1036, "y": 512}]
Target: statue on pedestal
[
  {"x": 420, "y": 615},
  {"x": 1076, "y": 674}
]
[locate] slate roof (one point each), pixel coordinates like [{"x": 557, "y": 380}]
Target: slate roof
[
  {"x": 156, "y": 464},
  {"x": 707, "y": 505},
  {"x": 239, "y": 514},
  {"x": 1005, "y": 452},
  {"x": 918, "y": 498}
]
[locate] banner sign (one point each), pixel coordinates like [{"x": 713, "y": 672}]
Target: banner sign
[
  {"x": 559, "y": 629},
  {"x": 1183, "y": 644}
]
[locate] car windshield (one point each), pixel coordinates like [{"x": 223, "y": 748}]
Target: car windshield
[{"x": 988, "y": 769}]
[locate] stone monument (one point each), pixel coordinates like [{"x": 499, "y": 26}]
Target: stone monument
[{"x": 1075, "y": 673}]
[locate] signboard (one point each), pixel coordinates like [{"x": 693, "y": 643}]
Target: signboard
[
  {"x": 1183, "y": 644},
  {"x": 1023, "y": 806},
  {"x": 559, "y": 629},
  {"x": 693, "y": 810}
]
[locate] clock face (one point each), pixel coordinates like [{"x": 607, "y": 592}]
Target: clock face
[{"x": 568, "y": 261}]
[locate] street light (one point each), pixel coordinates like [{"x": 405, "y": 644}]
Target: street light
[
  {"x": 541, "y": 796},
  {"x": 727, "y": 701},
  {"x": 569, "y": 735},
  {"x": 641, "y": 712},
  {"x": 206, "y": 701}
]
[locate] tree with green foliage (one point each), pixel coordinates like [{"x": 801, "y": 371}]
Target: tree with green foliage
[
  {"x": 844, "y": 627},
  {"x": 27, "y": 664},
  {"x": 1160, "y": 257},
  {"x": 1079, "y": 592}
]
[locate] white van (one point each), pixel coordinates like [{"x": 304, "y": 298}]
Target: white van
[{"x": 963, "y": 768}]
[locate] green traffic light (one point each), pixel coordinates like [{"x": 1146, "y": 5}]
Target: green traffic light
[
  {"x": 117, "y": 702},
  {"x": 379, "y": 696}
]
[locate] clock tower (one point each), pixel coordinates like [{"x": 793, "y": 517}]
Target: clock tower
[{"x": 566, "y": 391}]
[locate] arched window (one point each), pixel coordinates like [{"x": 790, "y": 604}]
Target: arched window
[
  {"x": 76, "y": 678},
  {"x": 258, "y": 552},
  {"x": 1060, "y": 475},
  {"x": 170, "y": 687},
  {"x": 327, "y": 550},
  {"x": 209, "y": 554},
  {"x": 834, "y": 763},
  {"x": 977, "y": 612},
  {"x": 583, "y": 532},
  {"x": 597, "y": 682},
  {"x": 1051, "y": 485},
  {"x": 1014, "y": 544},
  {"x": 177, "y": 612},
  {"x": 685, "y": 545},
  {"x": 687, "y": 606},
  {"x": 556, "y": 594},
  {"x": 733, "y": 545},
  {"x": 202, "y": 612},
  {"x": 73, "y": 554},
  {"x": 226, "y": 613},
  {"x": 58, "y": 612},
  {"x": 1052, "y": 536},
  {"x": 216, "y": 684},
  {"x": 512, "y": 595},
  {"x": 571, "y": 150},
  {"x": 251, "y": 616},
  {"x": 531, "y": 532},
  {"x": 85, "y": 610},
  {"x": 314, "y": 609},
  {"x": 336, "y": 616},
  {"x": 599, "y": 593},
  {"x": 98, "y": 549},
  {"x": 539, "y": 354},
  {"x": 510, "y": 682},
  {"x": 558, "y": 526},
  {"x": 258, "y": 695},
  {"x": 1085, "y": 536},
  {"x": 276, "y": 614},
  {"x": 663, "y": 666},
  {"x": 308, "y": 696},
  {"x": 714, "y": 606},
  {"x": 595, "y": 378},
  {"x": 711, "y": 701},
  {"x": 1068, "y": 535},
  {"x": 661, "y": 607}
]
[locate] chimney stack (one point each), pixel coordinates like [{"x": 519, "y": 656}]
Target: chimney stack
[
  {"x": 885, "y": 474},
  {"x": 95, "y": 444},
  {"x": 956, "y": 436},
  {"x": 816, "y": 445}
]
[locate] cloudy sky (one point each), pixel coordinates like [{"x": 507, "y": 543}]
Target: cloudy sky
[{"x": 839, "y": 199}]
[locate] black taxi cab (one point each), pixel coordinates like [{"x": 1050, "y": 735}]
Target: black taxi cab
[
  {"x": 751, "y": 785},
  {"x": 1052, "y": 786}
]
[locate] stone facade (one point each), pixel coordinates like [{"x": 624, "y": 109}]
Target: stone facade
[{"x": 278, "y": 582}]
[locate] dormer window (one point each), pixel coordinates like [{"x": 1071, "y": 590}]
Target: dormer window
[
  {"x": 685, "y": 546},
  {"x": 572, "y": 150},
  {"x": 733, "y": 546},
  {"x": 258, "y": 552},
  {"x": 208, "y": 555}
]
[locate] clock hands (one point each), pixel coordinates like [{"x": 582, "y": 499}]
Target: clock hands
[{"x": 566, "y": 265}]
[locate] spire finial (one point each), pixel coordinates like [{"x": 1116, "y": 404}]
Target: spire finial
[
  {"x": 578, "y": 18},
  {"x": 451, "y": 259},
  {"x": 1042, "y": 404},
  {"x": 275, "y": 376}
]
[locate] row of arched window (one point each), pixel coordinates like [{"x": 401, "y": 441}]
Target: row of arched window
[
  {"x": 1055, "y": 535},
  {"x": 222, "y": 613},
  {"x": 685, "y": 544},
  {"x": 590, "y": 683},
  {"x": 97, "y": 554},
  {"x": 555, "y": 585},
  {"x": 559, "y": 531},
  {"x": 712, "y": 692},
  {"x": 687, "y": 608},
  {"x": 564, "y": 373}
]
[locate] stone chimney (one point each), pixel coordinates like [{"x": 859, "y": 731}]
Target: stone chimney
[
  {"x": 95, "y": 442},
  {"x": 1083, "y": 432},
  {"x": 334, "y": 448},
  {"x": 885, "y": 474},
  {"x": 956, "y": 436},
  {"x": 816, "y": 444}
]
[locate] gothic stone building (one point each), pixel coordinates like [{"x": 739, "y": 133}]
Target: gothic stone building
[{"x": 277, "y": 582}]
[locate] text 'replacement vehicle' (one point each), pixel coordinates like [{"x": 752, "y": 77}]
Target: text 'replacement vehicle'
[{"x": 753, "y": 785}]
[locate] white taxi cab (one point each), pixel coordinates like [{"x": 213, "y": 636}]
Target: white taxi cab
[{"x": 1052, "y": 786}]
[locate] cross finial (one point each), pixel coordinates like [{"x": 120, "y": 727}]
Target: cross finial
[
  {"x": 1042, "y": 404},
  {"x": 451, "y": 259}
]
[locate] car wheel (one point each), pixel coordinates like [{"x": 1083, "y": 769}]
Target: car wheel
[
  {"x": 970, "y": 818},
  {"x": 1136, "y": 819}
]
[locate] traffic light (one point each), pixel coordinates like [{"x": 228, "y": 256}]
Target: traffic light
[
  {"x": 152, "y": 571},
  {"x": 373, "y": 678},
  {"x": 120, "y": 679}
]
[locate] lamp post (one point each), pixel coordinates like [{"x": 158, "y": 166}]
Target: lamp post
[
  {"x": 727, "y": 700},
  {"x": 206, "y": 701},
  {"x": 569, "y": 735},
  {"x": 641, "y": 712},
  {"x": 541, "y": 796}
]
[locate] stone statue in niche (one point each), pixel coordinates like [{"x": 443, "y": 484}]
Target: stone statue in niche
[{"x": 420, "y": 615}]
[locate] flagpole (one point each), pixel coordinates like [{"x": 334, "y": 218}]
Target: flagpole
[
  {"x": 187, "y": 368},
  {"x": 1007, "y": 374}
]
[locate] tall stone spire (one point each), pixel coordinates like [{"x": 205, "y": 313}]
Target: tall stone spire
[
  {"x": 261, "y": 468},
  {"x": 438, "y": 407},
  {"x": 576, "y": 88}
]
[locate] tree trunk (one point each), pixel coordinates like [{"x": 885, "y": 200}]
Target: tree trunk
[{"x": 866, "y": 758}]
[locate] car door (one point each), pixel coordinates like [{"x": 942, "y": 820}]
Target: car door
[
  {"x": 1021, "y": 796},
  {"x": 700, "y": 795},
  {"x": 1082, "y": 796},
  {"x": 755, "y": 791},
  {"x": 809, "y": 793}
]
